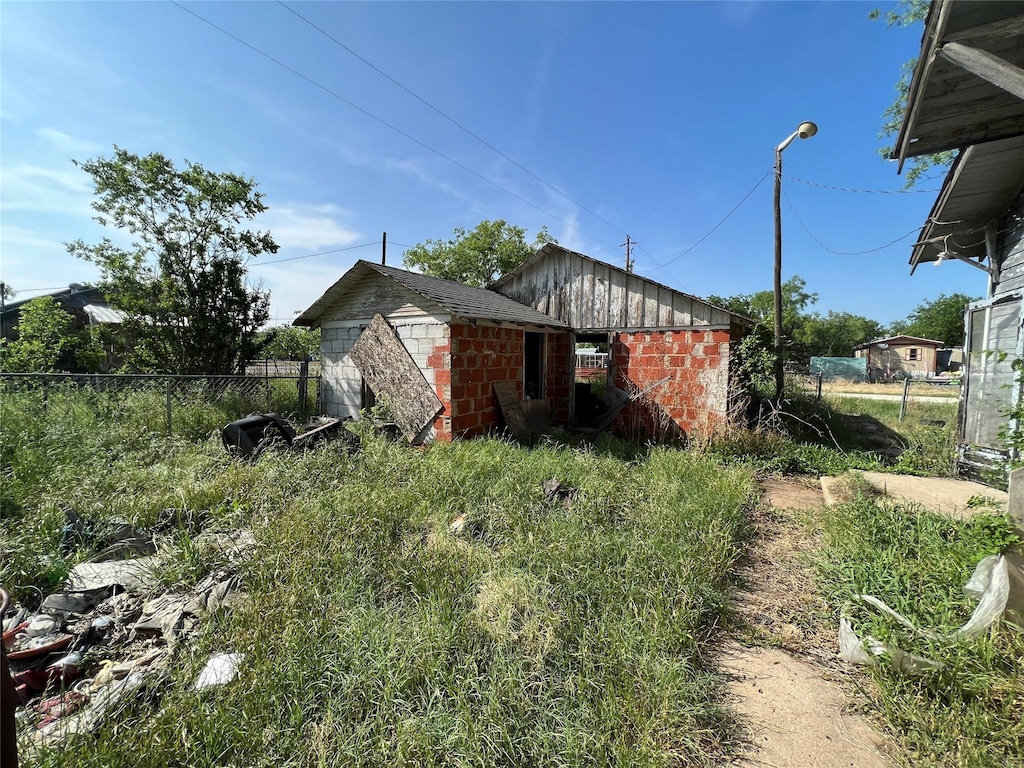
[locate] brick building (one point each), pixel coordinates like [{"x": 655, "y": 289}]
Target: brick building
[{"x": 439, "y": 348}]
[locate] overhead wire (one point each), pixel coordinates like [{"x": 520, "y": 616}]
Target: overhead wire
[
  {"x": 383, "y": 122},
  {"x": 450, "y": 119},
  {"x": 311, "y": 255},
  {"x": 845, "y": 253},
  {"x": 860, "y": 191},
  {"x": 720, "y": 223}
]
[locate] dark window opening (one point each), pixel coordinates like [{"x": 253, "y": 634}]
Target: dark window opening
[
  {"x": 533, "y": 374},
  {"x": 912, "y": 354}
]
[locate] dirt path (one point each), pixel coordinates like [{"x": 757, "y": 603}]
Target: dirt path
[{"x": 796, "y": 710}]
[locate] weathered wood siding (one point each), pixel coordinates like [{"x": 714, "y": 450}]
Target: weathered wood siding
[
  {"x": 591, "y": 296},
  {"x": 378, "y": 294},
  {"x": 1011, "y": 247}
]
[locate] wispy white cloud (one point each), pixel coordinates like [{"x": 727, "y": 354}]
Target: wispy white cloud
[
  {"x": 66, "y": 143},
  {"x": 308, "y": 227},
  {"x": 30, "y": 187}
]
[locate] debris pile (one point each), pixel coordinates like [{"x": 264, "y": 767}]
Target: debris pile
[
  {"x": 110, "y": 632},
  {"x": 250, "y": 437}
]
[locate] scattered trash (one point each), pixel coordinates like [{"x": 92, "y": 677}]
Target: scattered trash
[
  {"x": 220, "y": 669},
  {"x": 106, "y": 622},
  {"x": 248, "y": 438},
  {"x": 998, "y": 585},
  {"x": 553, "y": 489},
  {"x": 135, "y": 575}
]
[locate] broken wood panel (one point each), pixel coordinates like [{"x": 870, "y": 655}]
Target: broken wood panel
[
  {"x": 512, "y": 409},
  {"x": 393, "y": 376}
]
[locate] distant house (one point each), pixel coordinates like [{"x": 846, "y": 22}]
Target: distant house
[
  {"x": 967, "y": 93},
  {"x": 900, "y": 356},
  {"x": 87, "y": 306},
  {"x": 447, "y": 350}
]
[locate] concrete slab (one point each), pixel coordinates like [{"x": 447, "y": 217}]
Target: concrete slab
[
  {"x": 797, "y": 718},
  {"x": 939, "y": 494}
]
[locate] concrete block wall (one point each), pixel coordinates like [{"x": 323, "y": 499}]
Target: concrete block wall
[
  {"x": 695, "y": 399},
  {"x": 341, "y": 381}
]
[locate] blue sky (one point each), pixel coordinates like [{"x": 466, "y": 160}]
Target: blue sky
[{"x": 657, "y": 117}]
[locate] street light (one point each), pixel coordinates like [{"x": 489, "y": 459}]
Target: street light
[{"x": 804, "y": 131}]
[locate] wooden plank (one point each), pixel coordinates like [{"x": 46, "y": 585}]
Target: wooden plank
[
  {"x": 393, "y": 375},
  {"x": 512, "y": 409}
]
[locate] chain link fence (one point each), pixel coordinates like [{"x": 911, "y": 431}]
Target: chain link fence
[{"x": 189, "y": 406}]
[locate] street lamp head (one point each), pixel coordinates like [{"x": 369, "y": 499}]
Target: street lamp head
[{"x": 806, "y": 130}]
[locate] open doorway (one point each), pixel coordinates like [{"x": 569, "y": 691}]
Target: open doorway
[
  {"x": 533, "y": 369},
  {"x": 593, "y": 370}
]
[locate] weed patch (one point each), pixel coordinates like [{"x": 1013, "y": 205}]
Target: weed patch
[{"x": 968, "y": 712}]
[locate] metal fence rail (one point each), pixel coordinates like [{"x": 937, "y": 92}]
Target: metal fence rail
[{"x": 185, "y": 405}]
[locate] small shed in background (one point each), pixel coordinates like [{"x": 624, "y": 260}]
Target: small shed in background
[{"x": 902, "y": 356}]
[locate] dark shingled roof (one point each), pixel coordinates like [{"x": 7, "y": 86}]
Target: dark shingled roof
[{"x": 464, "y": 301}]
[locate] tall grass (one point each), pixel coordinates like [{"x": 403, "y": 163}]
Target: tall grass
[
  {"x": 970, "y": 711},
  {"x": 543, "y": 633}
]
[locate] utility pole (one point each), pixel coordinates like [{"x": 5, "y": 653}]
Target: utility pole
[
  {"x": 629, "y": 249},
  {"x": 384, "y": 249}
]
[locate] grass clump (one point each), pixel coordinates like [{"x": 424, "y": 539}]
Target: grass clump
[{"x": 969, "y": 711}]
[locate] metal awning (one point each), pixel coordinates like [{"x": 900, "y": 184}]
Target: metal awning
[
  {"x": 968, "y": 85},
  {"x": 979, "y": 188}
]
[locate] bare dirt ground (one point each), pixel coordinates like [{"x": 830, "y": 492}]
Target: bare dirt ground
[{"x": 791, "y": 689}]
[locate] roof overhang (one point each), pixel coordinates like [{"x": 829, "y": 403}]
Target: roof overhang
[
  {"x": 968, "y": 85},
  {"x": 980, "y": 186}
]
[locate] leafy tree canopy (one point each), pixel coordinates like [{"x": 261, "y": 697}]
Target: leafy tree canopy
[
  {"x": 288, "y": 342},
  {"x": 837, "y": 333},
  {"x": 941, "y": 319},
  {"x": 45, "y": 338},
  {"x": 182, "y": 286},
  {"x": 906, "y": 13},
  {"x": 478, "y": 257}
]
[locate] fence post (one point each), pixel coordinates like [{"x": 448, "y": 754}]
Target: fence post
[
  {"x": 303, "y": 386},
  {"x": 903, "y": 403},
  {"x": 819, "y": 386},
  {"x": 168, "y": 407}
]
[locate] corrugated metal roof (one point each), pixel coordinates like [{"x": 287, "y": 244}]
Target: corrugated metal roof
[
  {"x": 103, "y": 313},
  {"x": 979, "y": 187},
  {"x": 948, "y": 107},
  {"x": 464, "y": 301}
]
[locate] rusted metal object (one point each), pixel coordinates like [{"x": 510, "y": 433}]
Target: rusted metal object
[{"x": 8, "y": 727}]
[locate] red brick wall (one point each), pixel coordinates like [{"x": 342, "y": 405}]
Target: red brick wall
[
  {"x": 481, "y": 356},
  {"x": 693, "y": 401},
  {"x": 559, "y": 383}
]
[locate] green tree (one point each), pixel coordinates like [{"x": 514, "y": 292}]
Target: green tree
[
  {"x": 906, "y": 13},
  {"x": 181, "y": 286},
  {"x": 288, "y": 342},
  {"x": 479, "y": 257},
  {"x": 45, "y": 338},
  {"x": 837, "y": 333},
  {"x": 941, "y": 319}
]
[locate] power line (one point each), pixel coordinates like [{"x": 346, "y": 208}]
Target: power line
[
  {"x": 860, "y": 191},
  {"x": 450, "y": 119},
  {"x": 383, "y": 122},
  {"x": 845, "y": 253},
  {"x": 311, "y": 255},
  {"x": 720, "y": 223}
]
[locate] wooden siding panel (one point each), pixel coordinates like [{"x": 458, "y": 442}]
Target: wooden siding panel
[
  {"x": 591, "y": 295},
  {"x": 1011, "y": 268},
  {"x": 377, "y": 294}
]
